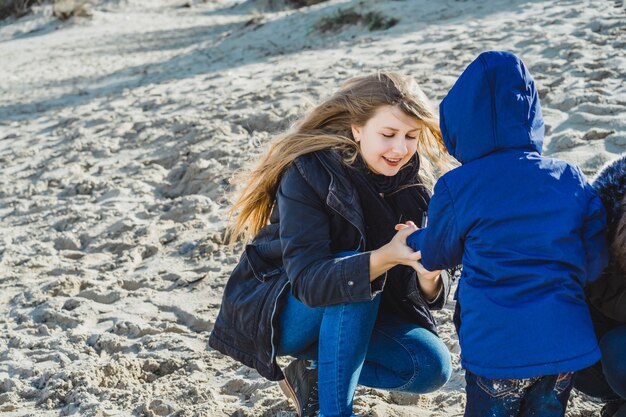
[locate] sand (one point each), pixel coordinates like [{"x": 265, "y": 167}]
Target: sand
[{"x": 119, "y": 131}]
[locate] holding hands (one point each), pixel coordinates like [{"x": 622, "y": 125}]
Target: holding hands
[{"x": 396, "y": 252}]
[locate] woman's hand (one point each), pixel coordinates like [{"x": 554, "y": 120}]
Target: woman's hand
[
  {"x": 429, "y": 281},
  {"x": 396, "y": 252}
]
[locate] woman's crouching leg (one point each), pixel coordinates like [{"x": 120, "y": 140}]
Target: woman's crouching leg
[
  {"x": 613, "y": 347},
  {"x": 405, "y": 357},
  {"x": 344, "y": 336}
]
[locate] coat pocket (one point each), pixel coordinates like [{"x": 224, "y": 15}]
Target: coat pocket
[
  {"x": 563, "y": 381},
  {"x": 264, "y": 260},
  {"x": 497, "y": 388},
  {"x": 246, "y": 296}
]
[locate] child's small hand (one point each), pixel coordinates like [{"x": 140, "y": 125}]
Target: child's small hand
[{"x": 402, "y": 226}]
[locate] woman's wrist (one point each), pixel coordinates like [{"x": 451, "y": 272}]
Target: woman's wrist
[
  {"x": 430, "y": 287},
  {"x": 381, "y": 261}
]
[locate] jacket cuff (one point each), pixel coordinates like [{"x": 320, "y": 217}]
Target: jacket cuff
[
  {"x": 355, "y": 276},
  {"x": 444, "y": 291},
  {"x": 414, "y": 241},
  {"x": 378, "y": 284},
  {"x": 433, "y": 302}
]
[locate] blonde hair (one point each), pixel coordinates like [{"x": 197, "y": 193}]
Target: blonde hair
[{"x": 328, "y": 126}]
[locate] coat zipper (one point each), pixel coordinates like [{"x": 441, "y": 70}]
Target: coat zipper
[{"x": 273, "y": 355}]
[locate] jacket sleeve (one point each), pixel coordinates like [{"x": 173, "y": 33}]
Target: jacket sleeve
[
  {"x": 414, "y": 292},
  {"x": 317, "y": 277},
  {"x": 441, "y": 242},
  {"x": 594, "y": 236},
  {"x": 608, "y": 294}
]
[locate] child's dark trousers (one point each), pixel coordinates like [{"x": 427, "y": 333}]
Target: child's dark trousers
[{"x": 544, "y": 396}]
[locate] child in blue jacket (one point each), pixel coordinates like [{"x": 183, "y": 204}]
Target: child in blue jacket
[{"x": 530, "y": 233}]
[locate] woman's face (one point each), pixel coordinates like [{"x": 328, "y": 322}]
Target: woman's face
[{"x": 388, "y": 140}]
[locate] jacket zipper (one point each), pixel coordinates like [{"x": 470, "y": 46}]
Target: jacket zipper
[{"x": 273, "y": 355}]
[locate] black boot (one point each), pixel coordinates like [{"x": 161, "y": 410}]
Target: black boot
[
  {"x": 615, "y": 408},
  {"x": 300, "y": 386}
]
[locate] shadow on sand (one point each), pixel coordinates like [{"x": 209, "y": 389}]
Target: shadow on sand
[{"x": 250, "y": 39}]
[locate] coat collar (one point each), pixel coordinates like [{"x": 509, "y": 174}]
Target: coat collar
[{"x": 334, "y": 187}]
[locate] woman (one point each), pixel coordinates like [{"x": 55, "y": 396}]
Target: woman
[
  {"x": 607, "y": 299},
  {"x": 327, "y": 281}
]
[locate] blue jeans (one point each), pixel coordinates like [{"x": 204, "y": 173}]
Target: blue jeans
[
  {"x": 351, "y": 346},
  {"x": 607, "y": 379},
  {"x": 544, "y": 396}
]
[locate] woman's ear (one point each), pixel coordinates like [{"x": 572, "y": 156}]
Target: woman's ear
[{"x": 356, "y": 133}]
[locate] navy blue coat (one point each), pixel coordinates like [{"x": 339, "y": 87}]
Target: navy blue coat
[
  {"x": 529, "y": 230},
  {"x": 317, "y": 215}
]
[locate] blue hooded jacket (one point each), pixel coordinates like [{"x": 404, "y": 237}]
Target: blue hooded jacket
[{"x": 529, "y": 230}]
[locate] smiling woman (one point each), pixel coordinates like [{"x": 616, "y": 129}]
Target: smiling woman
[
  {"x": 388, "y": 140},
  {"x": 328, "y": 280}
]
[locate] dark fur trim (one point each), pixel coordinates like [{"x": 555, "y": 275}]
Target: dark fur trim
[
  {"x": 618, "y": 245},
  {"x": 610, "y": 184}
]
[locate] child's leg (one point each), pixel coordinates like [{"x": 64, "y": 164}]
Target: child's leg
[
  {"x": 494, "y": 397},
  {"x": 548, "y": 396}
]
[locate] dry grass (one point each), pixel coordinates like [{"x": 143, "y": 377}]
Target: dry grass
[
  {"x": 17, "y": 8},
  {"x": 61, "y": 9},
  {"x": 297, "y": 4},
  {"x": 344, "y": 17}
]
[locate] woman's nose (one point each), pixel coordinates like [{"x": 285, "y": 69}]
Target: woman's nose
[{"x": 399, "y": 146}]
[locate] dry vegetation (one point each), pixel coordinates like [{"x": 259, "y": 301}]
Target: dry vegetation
[
  {"x": 280, "y": 5},
  {"x": 16, "y": 8},
  {"x": 304, "y": 3},
  {"x": 344, "y": 17},
  {"x": 62, "y": 9}
]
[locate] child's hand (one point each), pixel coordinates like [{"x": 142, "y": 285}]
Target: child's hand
[{"x": 402, "y": 226}]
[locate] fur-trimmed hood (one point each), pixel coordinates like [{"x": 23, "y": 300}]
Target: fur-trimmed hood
[{"x": 610, "y": 184}]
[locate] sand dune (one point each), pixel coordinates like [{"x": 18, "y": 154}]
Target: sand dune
[{"x": 118, "y": 134}]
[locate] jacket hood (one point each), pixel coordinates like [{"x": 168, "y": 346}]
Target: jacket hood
[{"x": 494, "y": 105}]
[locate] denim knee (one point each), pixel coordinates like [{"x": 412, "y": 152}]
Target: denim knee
[
  {"x": 592, "y": 382},
  {"x": 613, "y": 347},
  {"x": 433, "y": 368}
]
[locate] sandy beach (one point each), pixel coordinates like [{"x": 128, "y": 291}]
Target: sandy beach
[{"x": 119, "y": 131}]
